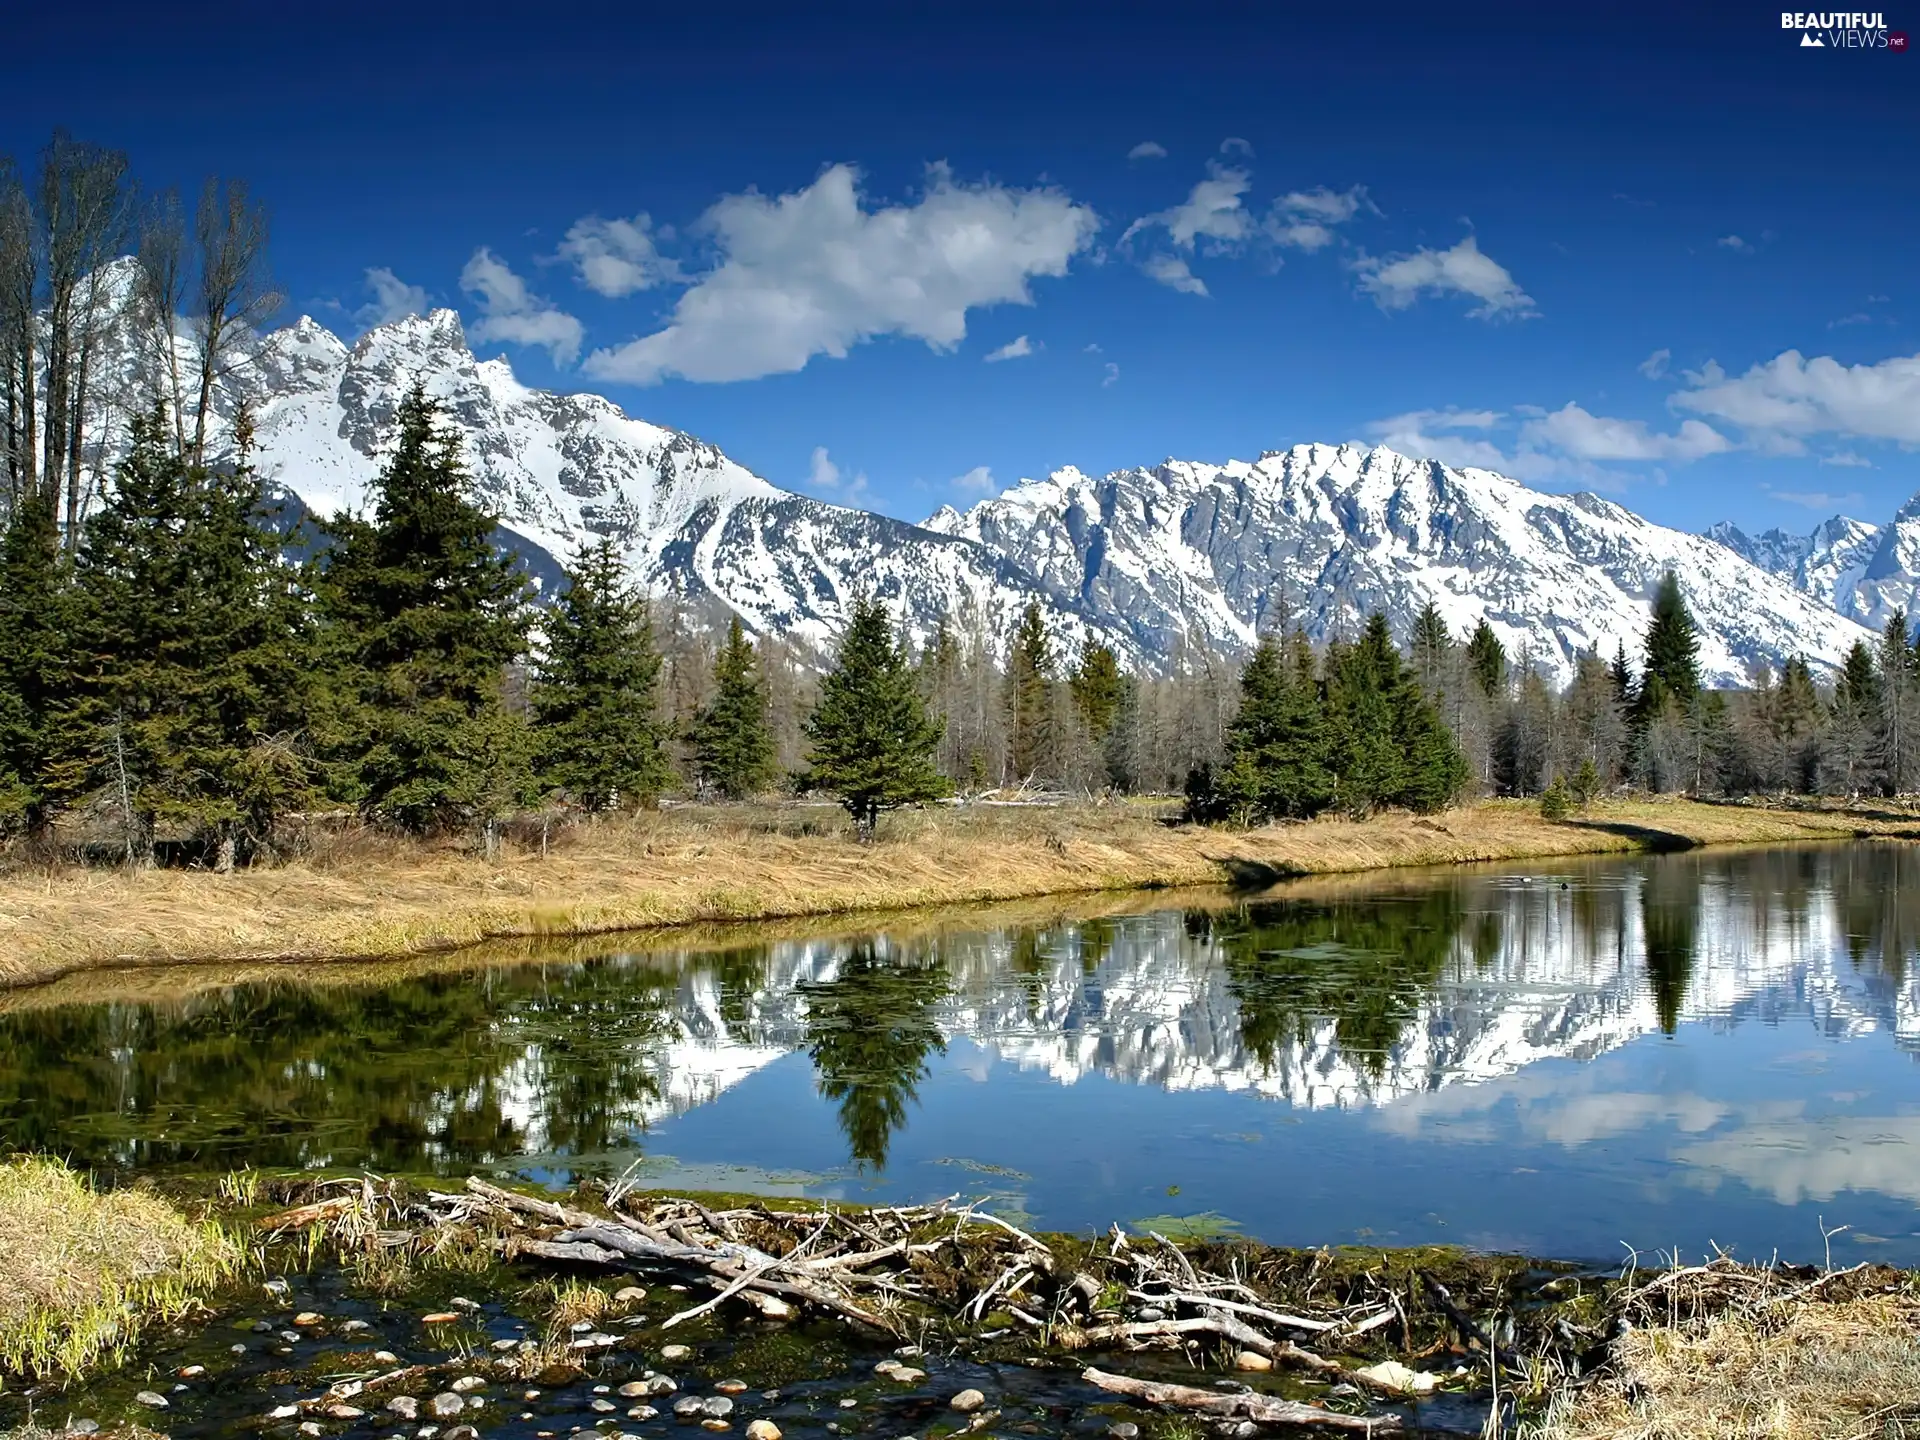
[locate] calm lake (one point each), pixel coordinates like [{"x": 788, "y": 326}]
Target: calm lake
[{"x": 1563, "y": 1058}]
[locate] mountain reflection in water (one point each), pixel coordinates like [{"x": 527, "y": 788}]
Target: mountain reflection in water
[{"x": 1717, "y": 1038}]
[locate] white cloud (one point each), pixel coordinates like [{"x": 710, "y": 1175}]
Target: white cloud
[
  {"x": 1173, "y": 272},
  {"x": 1821, "y": 500},
  {"x": 1397, "y": 283},
  {"x": 1735, "y": 243},
  {"x": 1012, "y": 350},
  {"x": 1148, "y": 150},
  {"x": 1112, "y": 375},
  {"x": 1234, "y": 144},
  {"x": 977, "y": 481},
  {"x": 616, "y": 258},
  {"x": 1789, "y": 398},
  {"x": 1847, "y": 460},
  {"x": 1304, "y": 219},
  {"x": 393, "y": 299},
  {"x": 1655, "y": 365},
  {"x": 1574, "y": 431},
  {"x": 1435, "y": 435},
  {"x": 815, "y": 272},
  {"x": 829, "y": 481},
  {"x": 1859, "y": 317},
  {"x": 1212, "y": 211},
  {"x": 514, "y": 315}
]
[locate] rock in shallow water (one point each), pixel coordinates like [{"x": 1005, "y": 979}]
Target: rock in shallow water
[
  {"x": 405, "y": 1406},
  {"x": 446, "y": 1405},
  {"x": 152, "y": 1399},
  {"x": 967, "y": 1401},
  {"x": 763, "y": 1430}
]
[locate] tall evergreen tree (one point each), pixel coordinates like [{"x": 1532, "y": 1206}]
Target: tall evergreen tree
[
  {"x": 430, "y": 617},
  {"x": 871, "y": 741},
  {"x": 1276, "y": 760},
  {"x": 732, "y": 746},
  {"x": 1096, "y": 684},
  {"x": 1031, "y": 741},
  {"x": 1487, "y": 661},
  {"x": 596, "y": 704},
  {"x": 1432, "y": 647},
  {"x": 1852, "y": 724},
  {"x": 1363, "y": 685},
  {"x": 1672, "y": 668},
  {"x": 1899, "y": 700},
  {"x": 37, "y": 696}
]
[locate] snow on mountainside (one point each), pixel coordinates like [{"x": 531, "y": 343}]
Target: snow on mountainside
[
  {"x": 1150, "y": 560},
  {"x": 1324, "y": 534},
  {"x": 559, "y": 469},
  {"x": 1827, "y": 564}
]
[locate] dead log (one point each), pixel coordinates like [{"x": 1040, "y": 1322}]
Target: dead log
[{"x": 1262, "y": 1409}]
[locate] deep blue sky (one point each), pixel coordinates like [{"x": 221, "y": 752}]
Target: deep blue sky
[{"x": 1634, "y": 180}]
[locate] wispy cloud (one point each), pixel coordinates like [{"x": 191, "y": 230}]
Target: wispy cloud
[
  {"x": 977, "y": 481},
  {"x": 1148, "y": 150},
  {"x": 1112, "y": 375},
  {"x": 817, "y": 272},
  {"x": 616, "y": 258},
  {"x": 1815, "y": 499},
  {"x": 1735, "y": 243},
  {"x": 1012, "y": 350},
  {"x": 393, "y": 299},
  {"x": 512, "y": 314},
  {"x": 1304, "y": 219},
  {"x": 830, "y": 482},
  {"x": 1397, "y": 282},
  {"x": 1235, "y": 145},
  {"x": 1655, "y": 365},
  {"x": 1174, "y": 273}
]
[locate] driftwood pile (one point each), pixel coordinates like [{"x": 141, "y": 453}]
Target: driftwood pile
[{"x": 1351, "y": 1342}]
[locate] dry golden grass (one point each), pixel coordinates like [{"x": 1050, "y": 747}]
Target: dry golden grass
[
  {"x": 81, "y": 1271},
  {"x": 366, "y": 897},
  {"x": 1847, "y": 1371}
]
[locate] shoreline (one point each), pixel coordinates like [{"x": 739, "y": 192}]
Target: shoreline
[{"x": 370, "y": 898}]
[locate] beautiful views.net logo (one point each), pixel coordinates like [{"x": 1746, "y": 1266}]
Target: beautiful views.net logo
[{"x": 1843, "y": 30}]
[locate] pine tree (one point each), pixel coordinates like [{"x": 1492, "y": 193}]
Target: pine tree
[
  {"x": 596, "y": 702},
  {"x": 1622, "y": 677},
  {"x": 1096, "y": 684},
  {"x": 1276, "y": 761},
  {"x": 429, "y": 618},
  {"x": 1487, "y": 661},
  {"x": 1431, "y": 648},
  {"x": 1672, "y": 668},
  {"x": 733, "y": 749},
  {"x": 871, "y": 741},
  {"x": 1847, "y": 754},
  {"x": 37, "y": 677},
  {"x": 1031, "y": 742},
  {"x": 1899, "y": 692},
  {"x": 1363, "y": 685}
]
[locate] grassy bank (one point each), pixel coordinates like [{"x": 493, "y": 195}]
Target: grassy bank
[
  {"x": 366, "y": 896},
  {"x": 83, "y": 1272}
]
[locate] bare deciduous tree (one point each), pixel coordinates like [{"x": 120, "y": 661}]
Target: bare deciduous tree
[{"x": 230, "y": 234}]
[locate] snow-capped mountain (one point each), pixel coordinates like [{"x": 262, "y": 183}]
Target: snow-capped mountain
[
  {"x": 1324, "y": 534},
  {"x": 1827, "y": 564},
  {"x": 1153, "y": 561},
  {"x": 560, "y": 469}
]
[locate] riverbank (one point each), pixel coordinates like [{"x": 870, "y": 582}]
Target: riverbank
[
  {"x": 367, "y": 1304},
  {"x": 364, "y": 896}
]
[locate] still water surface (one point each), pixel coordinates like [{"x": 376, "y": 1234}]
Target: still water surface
[{"x": 1562, "y": 1058}]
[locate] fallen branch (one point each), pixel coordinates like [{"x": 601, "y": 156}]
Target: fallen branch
[{"x": 1262, "y": 1409}]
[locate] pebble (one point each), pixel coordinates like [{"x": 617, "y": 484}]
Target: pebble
[
  {"x": 907, "y": 1375},
  {"x": 731, "y": 1387},
  {"x": 405, "y": 1406},
  {"x": 531, "y": 1395},
  {"x": 344, "y": 1412},
  {"x": 635, "y": 1388},
  {"x": 307, "y": 1318},
  {"x": 908, "y": 1352},
  {"x": 354, "y": 1327},
  {"x": 446, "y": 1405},
  {"x": 292, "y": 1337},
  {"x": 152, "y": 1399},
  {"x": 83, "y": 1427},
  {"x": 642, "y": 1412},
  {"x": 718, "y": 1406},
  {"x": 629, "y": 1295},
  {"x": 603, "y": 1407},
  {"x": 763, "y": 1430},
  {"x": 502, "y": 1346},
  {"x": 460, "y": 1302},
  {"x": 886, "y": 1367},
  {"x": 191, "y": 1372},
  {"x": 715, "y": 1425},
  {"x": 1252, "y": 1360},
  {"x": 385, "y": 1357},
  {"x": 277, "y": 1288},
  {"x": 1125, "y": 1430},
  {"x": 688, "y": 1406},
  {"x": 1149, "y": 1314},
  {"x": 968, "y": 1401},
  {"x": 603, "y": 1389},
  {"x": 312, "y": 1427},
  {"x": 675, "y": 1352},
  {"x": 262, "y": 1327},
  {"x": 466, "y": 1383},
  {"x": 848, "y": 1404},
  {"x": 236, "y": 1349},
  {"x": 581, "y": 1327},
  {"x": 463, "y": 1432},
  {"x": 439, "y": 1317},
  {"x": 283, "y": 1412}
]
